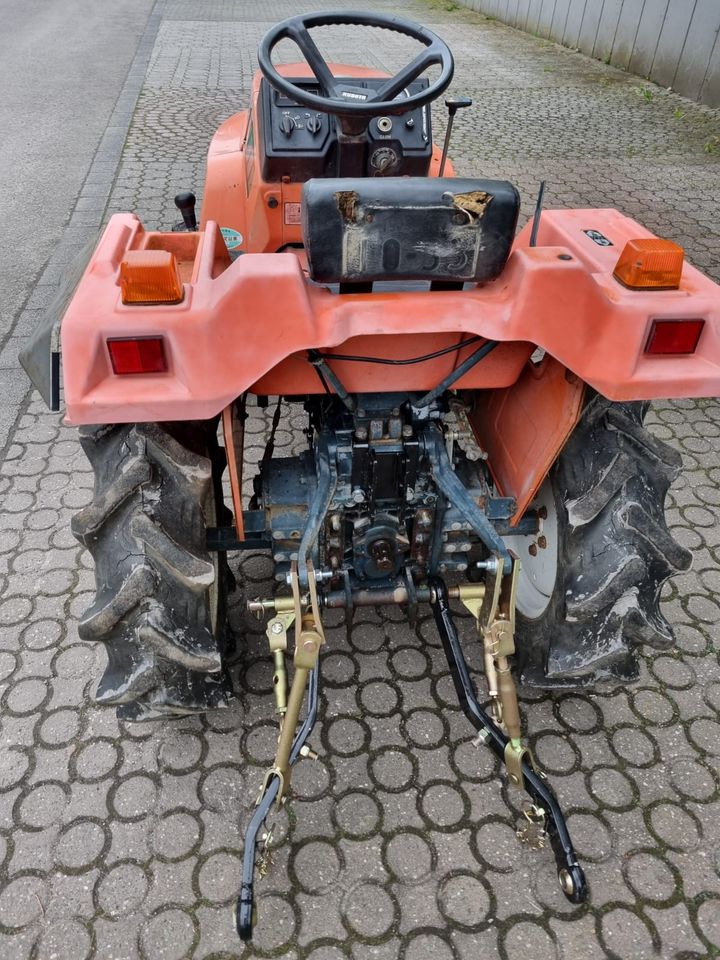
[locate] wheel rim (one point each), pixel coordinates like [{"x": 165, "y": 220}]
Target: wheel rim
[{"x": 538, "y": 573}]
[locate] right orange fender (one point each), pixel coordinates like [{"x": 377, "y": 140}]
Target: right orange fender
[{"x": 524, "y": 427}]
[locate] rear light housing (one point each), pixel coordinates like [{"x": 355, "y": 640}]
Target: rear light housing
[
  {"x": 137, "y": 355},
  {"x": 669, "y": 338},
  {"x": 150, "y": 276},
  {"x": 651, "y": 264}
]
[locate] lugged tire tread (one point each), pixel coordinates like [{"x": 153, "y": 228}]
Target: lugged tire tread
[
  {"x": 146, "y": 531},
  {"x": 617, "y": 552},
  {"x": 88, "y": 521}
]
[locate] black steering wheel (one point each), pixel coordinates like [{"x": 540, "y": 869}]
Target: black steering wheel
[{"x": 360, "y": 102}]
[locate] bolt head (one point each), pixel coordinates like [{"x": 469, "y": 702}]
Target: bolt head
[
  {"x": 277, "y": 627},
  {"x": 566, "y": 882},
  {"x": 532, "y": 550}
]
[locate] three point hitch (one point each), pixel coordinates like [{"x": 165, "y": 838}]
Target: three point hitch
[{"x": 493, "y": 608}]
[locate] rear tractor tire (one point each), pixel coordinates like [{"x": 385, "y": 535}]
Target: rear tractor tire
[
  {"x": 589, "y": 589},
  {"x": 160, "y": 596}
]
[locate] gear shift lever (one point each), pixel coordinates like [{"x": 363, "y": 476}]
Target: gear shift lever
[{"x": 453, "y": 104}]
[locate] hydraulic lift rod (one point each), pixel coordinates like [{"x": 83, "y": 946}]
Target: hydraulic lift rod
[{"x": 244, "y": 916}]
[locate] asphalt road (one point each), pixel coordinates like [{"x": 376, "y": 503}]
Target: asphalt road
[{"x": 62, "y": 67}]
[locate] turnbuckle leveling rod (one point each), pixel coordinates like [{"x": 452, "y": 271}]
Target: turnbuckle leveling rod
[{"x": 244, "y": 918}]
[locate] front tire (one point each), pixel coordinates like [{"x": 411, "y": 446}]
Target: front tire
[
  {"x": 160, "y": 597},
  {"x": 592, "y": 595}
]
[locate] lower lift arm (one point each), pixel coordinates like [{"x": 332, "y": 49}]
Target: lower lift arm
[{"x": 570, "y": 873}]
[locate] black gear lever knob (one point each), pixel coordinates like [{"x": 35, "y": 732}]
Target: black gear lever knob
[
  {"x": 457, "y": 103},
  {"x": 185, "y": 202}
]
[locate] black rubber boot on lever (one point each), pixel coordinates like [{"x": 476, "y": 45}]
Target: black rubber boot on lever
[
  {"x": 570, "y": 873},
  {"x": 244, "y": 915}
]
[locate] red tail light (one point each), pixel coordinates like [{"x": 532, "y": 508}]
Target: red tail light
[
  {"x": 137, "y": 355},
  {"x": 668, "y": 337}
]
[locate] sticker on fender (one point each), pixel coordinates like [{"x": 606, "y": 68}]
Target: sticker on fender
[
  {"x": 233, "y": 238},
  {"x": 599, "y": 238},
  {"x": 292, "y": 213}
]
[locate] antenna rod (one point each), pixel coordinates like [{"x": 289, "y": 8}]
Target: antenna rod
[{"x": 537, "y": 215}]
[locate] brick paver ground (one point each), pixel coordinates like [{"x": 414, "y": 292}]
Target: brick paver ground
[{"x": 124, "y": 841}]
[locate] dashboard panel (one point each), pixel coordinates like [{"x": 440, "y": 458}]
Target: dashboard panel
[{"x": 298, "y": 143}]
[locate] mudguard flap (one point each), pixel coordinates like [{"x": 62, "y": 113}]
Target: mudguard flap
[{"x": 40, "y": 357}]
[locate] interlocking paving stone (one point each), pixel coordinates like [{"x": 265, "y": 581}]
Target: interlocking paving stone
[{"x": 124, "y": 841}]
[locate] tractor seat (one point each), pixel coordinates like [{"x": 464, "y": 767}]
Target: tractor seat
[{"x": 442, "y": 229}]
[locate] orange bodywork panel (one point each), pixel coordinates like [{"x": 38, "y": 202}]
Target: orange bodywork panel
[
  {"x": 523, "y": 428},
  {"x": 237, "y": 323},
  {"x": 234, "y": 440}
]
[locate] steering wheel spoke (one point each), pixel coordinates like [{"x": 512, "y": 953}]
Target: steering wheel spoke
[
  {"x": 389, "y": 90},
  {"x": 315, "y": 60}
]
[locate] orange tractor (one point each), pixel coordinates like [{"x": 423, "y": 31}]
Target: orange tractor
[{"x": 474, "y": 403}]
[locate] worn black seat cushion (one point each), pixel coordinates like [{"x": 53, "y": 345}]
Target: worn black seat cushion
[{"x": 408, "y": 228}]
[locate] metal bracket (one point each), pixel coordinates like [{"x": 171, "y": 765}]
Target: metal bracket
[
  {"x": 496, "y": 624},
  {"x": 515, "y": 754},
  {"x": 472, "y": 599},
  {"x": 276, "y": 631},
  {"x": 309, "y": 638},
  {"x": 457, "y": 493}
]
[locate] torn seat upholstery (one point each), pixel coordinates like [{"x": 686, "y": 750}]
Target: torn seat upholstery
[{"x": 408, "y": 228}]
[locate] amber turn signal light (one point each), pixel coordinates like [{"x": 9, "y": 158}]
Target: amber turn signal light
[
  {"x": 651, "y": 264},
  {"x": 137, "y": 355},
  {"x": 150, "y": 276},
  {"x": 673, "y": 337}
]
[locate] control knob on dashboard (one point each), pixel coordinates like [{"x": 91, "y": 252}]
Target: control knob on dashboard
[
  {"x": 314, "y": 125},
  {"x": 287, "y": 124}
]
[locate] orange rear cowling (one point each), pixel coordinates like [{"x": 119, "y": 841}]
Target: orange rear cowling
[{"x": 248, "y": 325}]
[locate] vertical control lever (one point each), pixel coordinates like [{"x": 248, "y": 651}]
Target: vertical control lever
[
  {"x": 185, "y": 202},
  {"x": 453, "y": 104}
]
